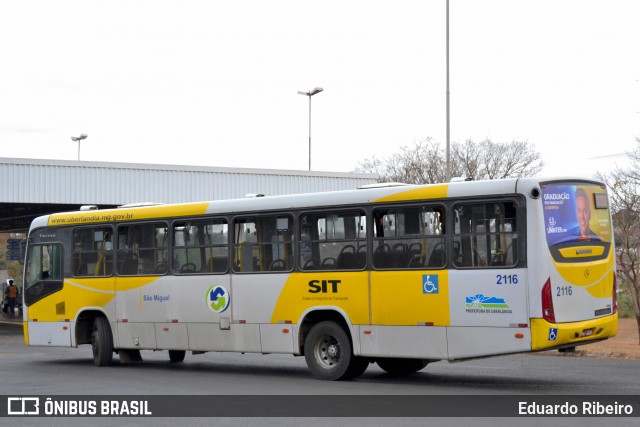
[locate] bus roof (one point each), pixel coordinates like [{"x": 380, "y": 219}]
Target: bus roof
[{"x": 296, "y": 201}]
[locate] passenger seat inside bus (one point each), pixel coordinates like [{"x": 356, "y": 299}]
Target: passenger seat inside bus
[
  {"x": 129, "y": 264},
  {"x": 437, "y": 257},
  {"x": 217, "y": 264},
  {"x": 415, "y": 256},
  {"x": 346, "y": 258}
]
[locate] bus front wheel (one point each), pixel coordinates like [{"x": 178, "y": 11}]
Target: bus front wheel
[
  {"x": 101, "y": 342},
  {"x": 396, "y": 366},
  {"x": 328, "y": 353}
]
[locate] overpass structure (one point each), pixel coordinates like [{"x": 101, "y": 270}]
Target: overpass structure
[{"x": 34, "y": 187}]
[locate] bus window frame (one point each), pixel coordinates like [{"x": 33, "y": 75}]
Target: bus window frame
[
  {"x": 521, "y": 230},
  {"x": 53, "y": 285},
  {"x": 229, "y": 245},
  {"x": 167, "y": 270},
  {"x": 252, "y": 216},
  {"x": 446, "y": 212},
  {"x": 365, "y": 211},
  {"x": 113, "y": 250}
]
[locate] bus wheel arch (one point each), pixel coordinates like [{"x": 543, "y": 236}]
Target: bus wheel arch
[
  {"x": 312, "y": 318},
  {"x": 84, "y": 325},
  {"x": 328, "y": 347}
]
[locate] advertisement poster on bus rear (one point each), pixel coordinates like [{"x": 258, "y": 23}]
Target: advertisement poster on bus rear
[{"x": 575, "y": 213}]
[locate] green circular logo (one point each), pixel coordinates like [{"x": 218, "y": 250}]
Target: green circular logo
[{"x": 218, "y": 298}]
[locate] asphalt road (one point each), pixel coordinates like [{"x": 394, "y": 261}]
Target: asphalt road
[{"x": 68, "y": 371}]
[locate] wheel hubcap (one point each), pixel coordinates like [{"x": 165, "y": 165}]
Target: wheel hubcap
[
  {"x": 327, "y": 351},
  {"x": 332, "y": 351}
]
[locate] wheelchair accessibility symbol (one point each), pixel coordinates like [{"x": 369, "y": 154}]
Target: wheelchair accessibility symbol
[
  {"x": 553, "y": 334},
  {"x": 430, "y": 284}
]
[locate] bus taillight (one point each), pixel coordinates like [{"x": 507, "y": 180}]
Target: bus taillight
[
  {"x": 547, "y": 303},
  {"x": 615, "y": 293}
]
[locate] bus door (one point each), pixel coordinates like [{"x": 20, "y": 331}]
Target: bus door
[
  {"x": 201, "y": 284},
  {"x": 262, "y": 264},
  {"x": 45, "y": 301},
  {"x": 143, "y": 296},
  {"x": 488, "y": 284},
  {"x": 410, "y": 283}
]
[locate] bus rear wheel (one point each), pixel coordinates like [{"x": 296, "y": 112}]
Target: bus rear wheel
[
  {"x": 328, "y": 353},
  {"x": 397, "y": 366},
  {"x": 101, "y": 342},
  {"x": 176, "y": 356}
]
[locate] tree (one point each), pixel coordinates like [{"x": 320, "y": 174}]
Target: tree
[
  {"x": 422, "y": 163},
  {"x": 624, "y": 194},
  {"x": 425, "y": 162}
]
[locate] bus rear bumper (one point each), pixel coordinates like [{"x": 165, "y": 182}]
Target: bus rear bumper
[{"x": 545, "y": 335}]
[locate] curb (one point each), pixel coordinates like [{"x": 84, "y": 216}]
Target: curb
[{"x": 4, "y": 322}]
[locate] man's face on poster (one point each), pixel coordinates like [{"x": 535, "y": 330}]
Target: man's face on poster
[{"x": 583, "y": 211}]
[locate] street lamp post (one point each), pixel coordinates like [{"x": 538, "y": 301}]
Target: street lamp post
[
  {"x": 79, "y": 138},
  {"x": 310, "y": 94},
  {"x": 448, "y": 166}
]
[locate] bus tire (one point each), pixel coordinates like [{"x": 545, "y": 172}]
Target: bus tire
[
  {"x": 176, "y": 356},
  {"x": 101, "y": 342},
  {"x": 328, "y": 353},
  {"x": 357, "y": 368},
  {"x": 397, "y": 366}
]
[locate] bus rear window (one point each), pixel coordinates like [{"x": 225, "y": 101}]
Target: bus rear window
[{"x": 575, "y": 212}]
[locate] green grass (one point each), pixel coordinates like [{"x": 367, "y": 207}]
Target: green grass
[{"x": 625, "y": 305}]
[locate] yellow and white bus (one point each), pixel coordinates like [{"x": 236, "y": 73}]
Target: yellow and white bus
[{"x": 397, "y": 275}]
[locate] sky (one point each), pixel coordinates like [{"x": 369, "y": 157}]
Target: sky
[{"x": 214, "y": 83}]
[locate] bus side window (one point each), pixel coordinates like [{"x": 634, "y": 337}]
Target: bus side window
[
  {"x": 142, "y": 249},
  {"x": 200, "y": 246},
  {"x": 92, "y": 252},
  {"x": 485, "y": 234},
  {"x": 409, "y": 238},
  {"x": 263, "y": 244},
  {"x": 333, "y": 241}
]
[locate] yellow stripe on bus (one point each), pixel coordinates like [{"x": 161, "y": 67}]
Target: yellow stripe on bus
[
  {"x": 128, "y": 214},
  {"x": 395, "y": 297},
  {"x": 438, "y": 191},
  {"x": 80, "y": 293},
  {"x": 399, "y": 298},
  {"x": 595, "y": 276},
  {"x": 75, "y": 295},
  {"x": 348, "y": 291},
  {"x": 25, "y": 332},
  {"x": 542, "y": 336}
]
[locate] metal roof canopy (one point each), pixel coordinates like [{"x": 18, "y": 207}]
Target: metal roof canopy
[{"x": 33, "y": 187}]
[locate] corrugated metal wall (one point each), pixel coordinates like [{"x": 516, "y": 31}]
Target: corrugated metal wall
[{"x": 69, "y": 182}]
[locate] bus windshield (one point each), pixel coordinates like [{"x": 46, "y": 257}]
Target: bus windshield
[{"x": 575, "y": 212}]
